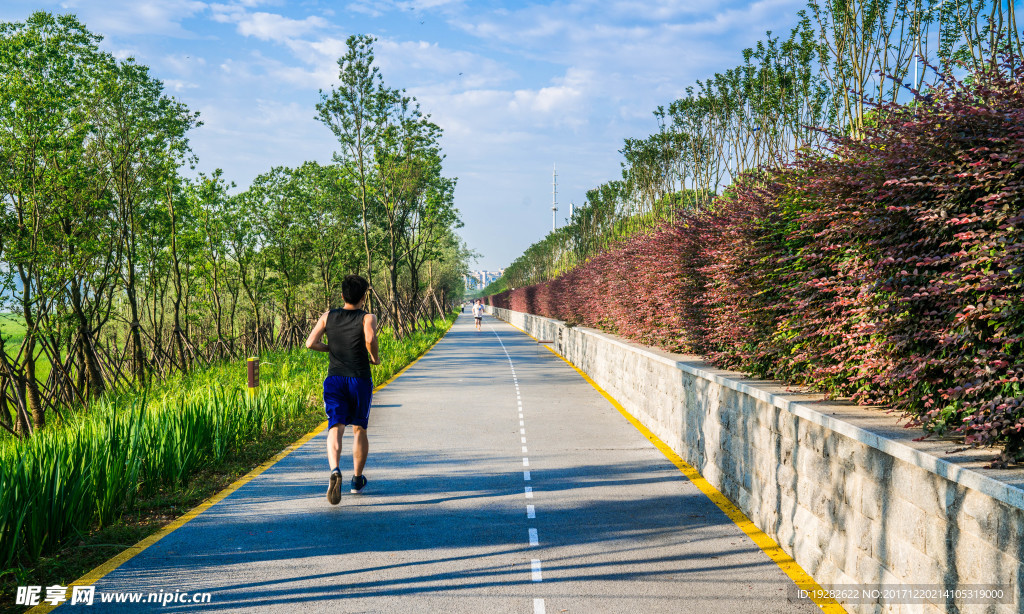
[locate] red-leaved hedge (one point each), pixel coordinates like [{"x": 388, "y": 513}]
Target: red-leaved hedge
[{"x": 888, "y": 270}]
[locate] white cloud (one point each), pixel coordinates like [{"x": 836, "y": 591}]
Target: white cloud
[
  {"x": 404, "y": 64},
  {"x": 563, "y": 102},
  {"x": 236, "y": 69},
  {"x": 161, "y": 17},
  {"x": 178, "y": 85},
  {"x": 661, "y": 10},
  {"x": 377, "y": 8},
  {"x": 267, "y": 26},
  {"x": 544, "y": 100},
  {"x": 370, "y": 9},
  {"x": 124, "y": 54}
]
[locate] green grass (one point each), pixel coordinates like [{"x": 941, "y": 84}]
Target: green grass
[
  {"x": 12, "y": 327},
  {"x": 74, "y": 494}
]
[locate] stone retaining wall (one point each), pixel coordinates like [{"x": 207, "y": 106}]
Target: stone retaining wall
[{"x": 852, "y": 507}]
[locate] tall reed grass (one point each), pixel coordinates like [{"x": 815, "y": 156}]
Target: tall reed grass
[{"x": 69, "y": 479}]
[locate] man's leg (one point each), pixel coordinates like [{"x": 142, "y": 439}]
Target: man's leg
[
  {"x": 334, "y": 445},
  {"x": 333, "y": 456},
  {"x": 360, "y": 449}
]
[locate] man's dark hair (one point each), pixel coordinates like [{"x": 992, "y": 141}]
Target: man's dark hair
[{"x": 353, "y": 288}]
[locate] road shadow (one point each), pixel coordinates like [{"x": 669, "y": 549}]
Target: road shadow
[{"x": 418, "y": 512}]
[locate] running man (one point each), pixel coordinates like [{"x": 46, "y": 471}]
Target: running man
[
  {"x": 478, "y": 313},
  {"x": 348, "y": 388}
]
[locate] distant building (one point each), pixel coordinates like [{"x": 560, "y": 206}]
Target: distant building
[{"x": 478, "y": 280}]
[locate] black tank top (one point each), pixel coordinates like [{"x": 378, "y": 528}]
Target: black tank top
[{"x": 346, "y": 343}]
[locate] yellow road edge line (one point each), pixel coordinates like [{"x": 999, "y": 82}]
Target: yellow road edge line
[
  {"x": 790, "y": 567},
  {"x": 97, "y": 574}
]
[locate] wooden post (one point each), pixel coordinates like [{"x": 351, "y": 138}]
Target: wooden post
[{"x": 252, "y": 366}]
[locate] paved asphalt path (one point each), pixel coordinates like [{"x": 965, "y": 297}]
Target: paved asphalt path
[{"x": 448, "y": 522}]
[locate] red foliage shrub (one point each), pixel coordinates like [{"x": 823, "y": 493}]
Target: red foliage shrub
[
  {"x": 930, "y": 217},
  {"x": 889, "y": 270},
  {"x": 632, "y": 290}
]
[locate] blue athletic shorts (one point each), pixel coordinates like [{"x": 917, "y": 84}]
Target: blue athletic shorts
[{"x": 347, "y": 400}]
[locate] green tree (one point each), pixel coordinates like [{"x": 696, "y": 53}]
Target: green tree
[
  {"x": 390, "y": 152},
  {"x": 50, "y": 71},
  {"x": 357, "y": 112},
  {"x": 142, "y": 137}
]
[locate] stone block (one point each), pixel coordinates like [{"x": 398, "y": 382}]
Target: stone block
[
  {"x": 806, "y": 490},
  {"x": 976, "y": 562},
  {"x": 785, "y": 474},
  {"x": 712, "y": 474},
  {"x": 744, "y": 501},
  {"x": 807, "y": 524},
  {"x": 787, "y": 427},
  {"x": 874, "y": 462},
  {"x": 979, "y": 515},
  {"x": 806, "y": 553},
  {"x": 762, "y": 440},
  {"x": 870, "y": 571},
  {"x": 812, "y": 466},
  {"x": 763, "y": 467},
  {"x": 844, "y": 450},
  {"x": 854, "y": 491},
  {"x": 749, "y": 478},
  {"x": 811, "y": 435},
  {"x": 915, "y": 485},
  {"x": 904, "y": 520},
  {"x": 785, "y": 532},
  {"x": 872, "y": 495},
  {"x": 859, "y": 530},
  {"x": 1010, "y": 538}
]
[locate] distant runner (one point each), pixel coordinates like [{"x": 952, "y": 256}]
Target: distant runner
[
  {"x": 348, "y": 388},
  {"x": 478, "y": 313}
]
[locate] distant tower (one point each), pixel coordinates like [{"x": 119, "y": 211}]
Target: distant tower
[{"x": 554, "y": 198}]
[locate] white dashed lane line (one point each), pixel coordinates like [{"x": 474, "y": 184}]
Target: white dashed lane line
[{"x": 533, "y": 537}]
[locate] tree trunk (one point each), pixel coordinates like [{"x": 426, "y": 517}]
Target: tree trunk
[
  {"x": 30, "y": 391},
  {"x": 138, "y": 355},
  {"x": 178, "y": 333},
  {"x": 94, "y": 378},
  {"x": 35, "y": 399}
]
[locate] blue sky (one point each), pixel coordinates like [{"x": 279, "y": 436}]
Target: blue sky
[{"x": 516, "y": 86}]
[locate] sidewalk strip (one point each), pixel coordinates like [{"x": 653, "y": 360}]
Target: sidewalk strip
[{"x": 791, "y": 568}]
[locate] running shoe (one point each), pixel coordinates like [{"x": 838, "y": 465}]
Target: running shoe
[
  {"x": 334, "y": 488},
  {"x": 358, "y": 481}
]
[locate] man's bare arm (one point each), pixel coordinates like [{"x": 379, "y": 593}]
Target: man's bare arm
[
  {"x": 370, "y": 333},
  {"x": 315, "y": 340}
]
